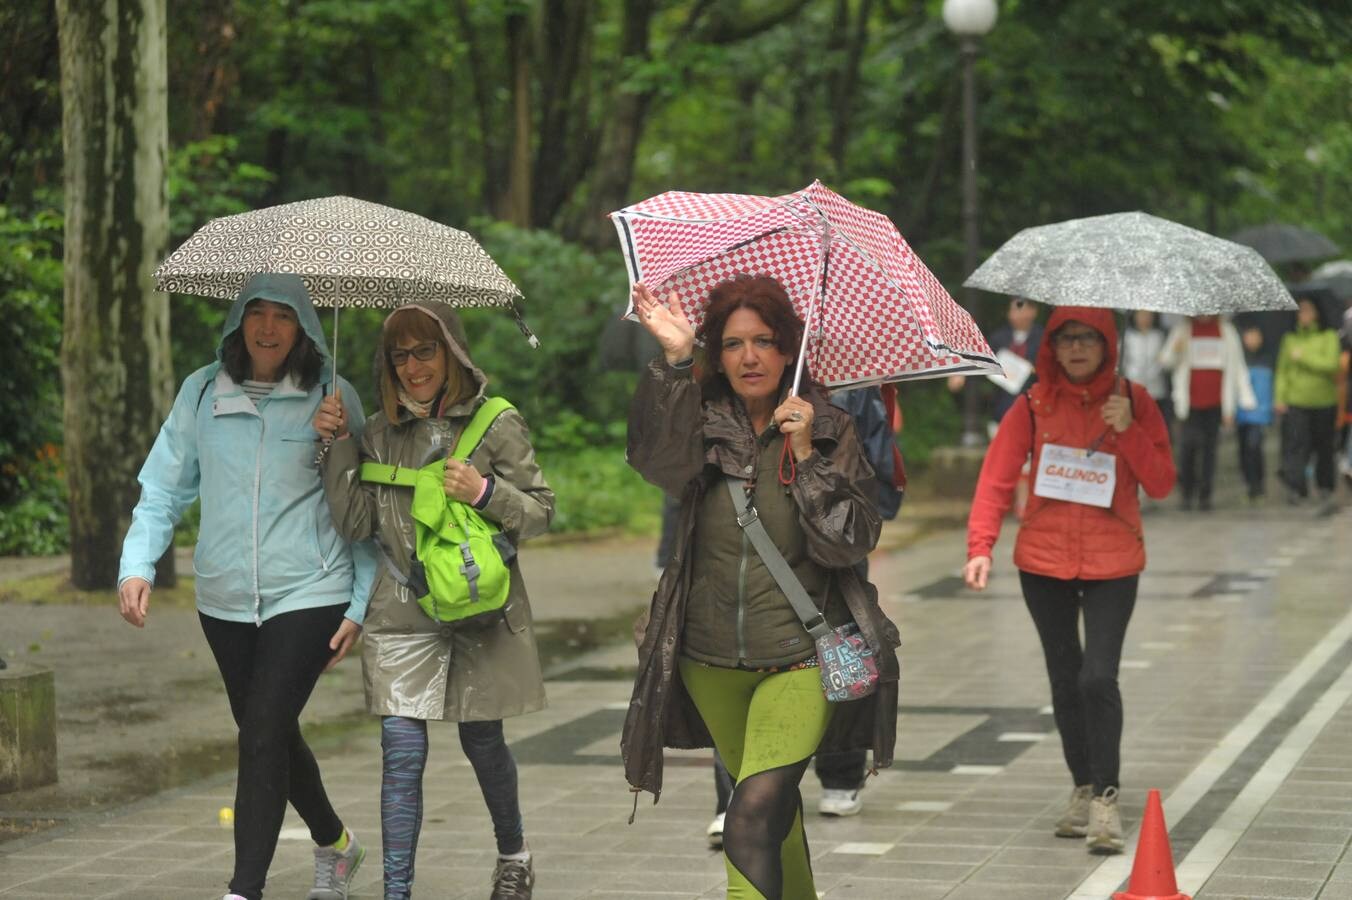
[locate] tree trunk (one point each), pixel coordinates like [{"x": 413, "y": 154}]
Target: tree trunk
[
  {"x": 625, "y": 118},
  {"x": 516, "y": 206},
  {"x": 853, "y": 40},
  {"x": 115, "y": 363},
  {"x": 494, "y": 169},
  {"x": 562, "y": 151}
]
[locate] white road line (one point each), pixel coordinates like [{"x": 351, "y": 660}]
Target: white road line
[
  {"x": 1217, "y": 843},
  {"x": 1104, "y": 879}
]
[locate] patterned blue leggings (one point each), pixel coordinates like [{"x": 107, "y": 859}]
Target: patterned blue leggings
[{"x": 404, "y": 742}]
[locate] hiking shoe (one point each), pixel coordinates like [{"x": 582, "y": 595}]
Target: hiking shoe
[
  {"x": 513, "y": 879},
  {"x": 1104, "y": 834},
  {"x": 1074, "y": 822},
  {"x": 334, "y": 870},
  {"x": 837, "y": 802},
  {"x": 715, "y": 832}
]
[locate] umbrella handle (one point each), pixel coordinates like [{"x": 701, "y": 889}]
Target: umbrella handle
[
  {"x": 1098, "y": 441},
  {"x": 326, "y": 443}
]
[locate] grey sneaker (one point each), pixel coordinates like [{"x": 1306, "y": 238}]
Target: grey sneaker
[
  {"x": 1104, "y": 834},
  {"x": 513, "y": 879},
  {"x": 1074, "y": 822},
  {"x": 334, "y": 870}
]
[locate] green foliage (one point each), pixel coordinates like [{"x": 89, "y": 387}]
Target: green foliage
[
  {"x": 36, "y": 522},
  {"x": 595, "y": 489},
  {"x": 570, "y": 294},
  {"x": 30, "y": 306},
  {"x": 932, "y": 418}
]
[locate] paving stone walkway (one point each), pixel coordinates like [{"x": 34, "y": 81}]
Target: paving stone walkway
[{"x": 1236, "y": 677}]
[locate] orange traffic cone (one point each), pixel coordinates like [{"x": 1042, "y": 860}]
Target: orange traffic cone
[{"x": 1152, "y": 873}]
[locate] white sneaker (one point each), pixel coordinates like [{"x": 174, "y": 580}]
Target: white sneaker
[
  {"x": 837, "y": 802},
  {"x": 1074, "y": 822},
  {"x": 714, "y": 832},
  {"x": 1104, "y": 834}
]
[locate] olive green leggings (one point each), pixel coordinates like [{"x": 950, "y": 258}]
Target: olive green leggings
[{"x": 766, "y": 726}]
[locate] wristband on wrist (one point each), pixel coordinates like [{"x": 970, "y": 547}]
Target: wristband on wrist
[{"x": 483, "y": 489}]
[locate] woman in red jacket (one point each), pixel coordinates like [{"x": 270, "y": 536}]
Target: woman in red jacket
[{"x": 1093, "y": 438}]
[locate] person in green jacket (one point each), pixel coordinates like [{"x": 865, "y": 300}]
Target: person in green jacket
[{"x": 1307, "y": 400}]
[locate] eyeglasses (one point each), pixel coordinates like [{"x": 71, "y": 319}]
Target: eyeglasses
[
  {"x": 423, "y": 352},
  {"x": 1083, "y": 338}
]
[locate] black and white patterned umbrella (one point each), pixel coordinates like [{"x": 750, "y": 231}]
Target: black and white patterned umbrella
[
  {"x": 1132, "y": 260},
  {"x": 349, "y": 253}
]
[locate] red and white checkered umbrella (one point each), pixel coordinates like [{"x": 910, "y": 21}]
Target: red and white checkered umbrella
[{"x": 874, "y": 312}]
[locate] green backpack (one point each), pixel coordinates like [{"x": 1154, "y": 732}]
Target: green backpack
[{"x": 460, "y": 567}]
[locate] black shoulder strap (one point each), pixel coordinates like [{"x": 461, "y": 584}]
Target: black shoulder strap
[{"x": 206, "y": 384}]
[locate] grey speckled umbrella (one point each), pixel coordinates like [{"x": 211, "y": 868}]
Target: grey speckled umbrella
[
  {"x": 1282, "y": 243},
  {"x": 348, "y": 252},
  {"x": 1132, "y": 261}
]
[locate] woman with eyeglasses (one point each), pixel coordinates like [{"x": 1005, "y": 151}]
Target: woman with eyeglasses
[
  {"x": 419, "y": 670},
  {"x": 1093, "y": 437}
]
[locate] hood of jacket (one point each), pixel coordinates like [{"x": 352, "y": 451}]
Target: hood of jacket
[
  {"x": 291, "y": 291},
  {"x": 1051, "y": 378},
  {"x": 453, "y": 331}
]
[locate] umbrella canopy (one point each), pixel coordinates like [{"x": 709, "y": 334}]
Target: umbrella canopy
[
  {"x": 348, "y": 252},
  {"x": 1337, "y": 277},
  {"x": 1132, "y": 261},
  {"x": 874, "y": 312},
  {"x": 1282, "y": 243}
]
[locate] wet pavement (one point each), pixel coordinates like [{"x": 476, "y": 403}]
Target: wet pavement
[{"x": 1236, "y": 677}]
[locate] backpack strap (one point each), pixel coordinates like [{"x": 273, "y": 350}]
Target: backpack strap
[
  {"x": 478, "y": 425},
  {"x": 473, "y": 434},
  {"x": 405, "y": 476}
]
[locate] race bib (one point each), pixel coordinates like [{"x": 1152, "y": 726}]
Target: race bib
[
  {"x": 1205, "y": 353},
  {"x": 1071, "y": 474}
]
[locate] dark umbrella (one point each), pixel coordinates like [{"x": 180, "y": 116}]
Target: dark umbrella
[
  {"x": 1325, "y": 301},
  {"x": 1282, "y": 243},
  {"x": 1337, "y": 277}
]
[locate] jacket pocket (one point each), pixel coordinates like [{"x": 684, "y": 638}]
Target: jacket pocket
[{"x": 300, "y": 448}]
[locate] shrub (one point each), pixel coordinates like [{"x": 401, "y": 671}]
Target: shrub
[{"x": 36, "y": 524}]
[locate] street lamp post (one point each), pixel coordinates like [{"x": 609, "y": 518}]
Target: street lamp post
[{"x": 970, "y": 20}]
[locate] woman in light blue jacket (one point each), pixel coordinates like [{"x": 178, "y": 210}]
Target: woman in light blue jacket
[{"x": 280, "y": 595}]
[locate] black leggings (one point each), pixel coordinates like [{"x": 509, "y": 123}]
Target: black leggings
[
  {"x": 1309, "y": 431},
  {"x": 269, "y": 671},
  {"x": 1085, "y": 697}
]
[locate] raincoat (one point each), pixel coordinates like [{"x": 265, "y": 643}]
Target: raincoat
[
  {"x": 266, "y": 544},
  {"x": 1307, "y": 368},
  {"x": 414, "y": 666},
  {"x": 685, "y": 446},
  {"x": 1058, "y": 538}
]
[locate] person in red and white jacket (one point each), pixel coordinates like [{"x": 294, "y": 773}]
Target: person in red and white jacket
[{"x": 1093, "y": 438}]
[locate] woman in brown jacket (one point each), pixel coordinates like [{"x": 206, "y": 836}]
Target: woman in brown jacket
[
  {"x": 723, "y": 658},
  {"x": 417, "y": 669}
]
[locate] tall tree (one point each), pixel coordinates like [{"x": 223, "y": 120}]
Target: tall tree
[{"x": 115, "y": 359}]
